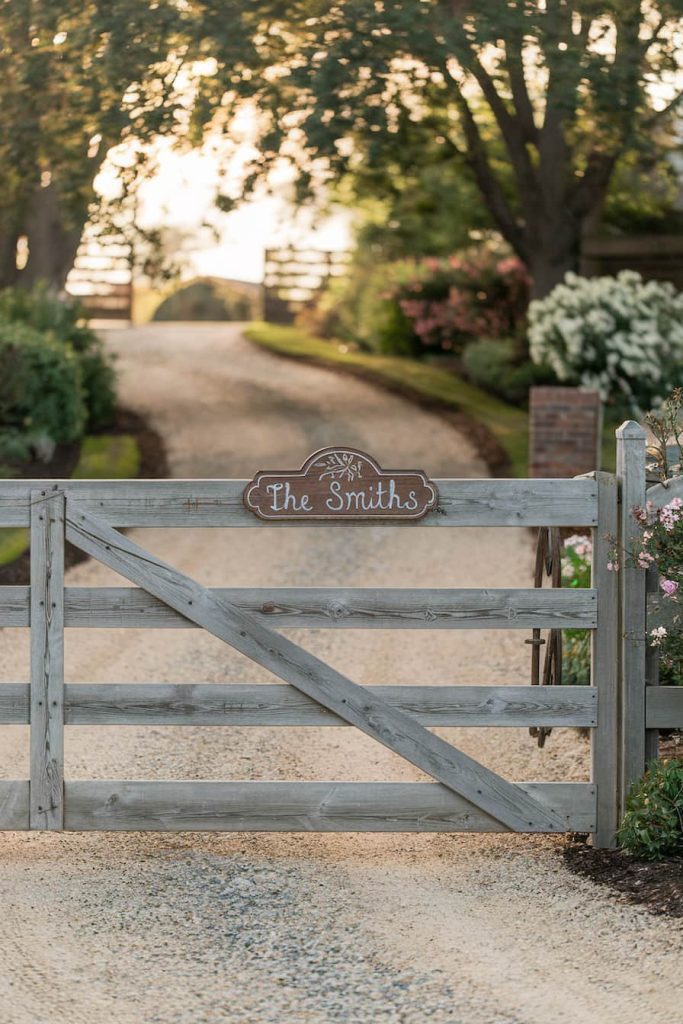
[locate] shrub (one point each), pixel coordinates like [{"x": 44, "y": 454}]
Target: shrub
[
  {"x": 434, "y": 305},
  {"x": 451, "y": 301},
  {"x": 620, "y": 335},
  {"x": 63, "y": 319},
  {"x": 661, "y": 547},
  {"x": 494, "y": 364},
  {"x": 360, "y": 308},
  {"x": 41, "y": 387},
  {"x": 99, "y": 386},
  {"x": 576, "y": 646},
  {"x": 653, "y": 823},
  {"x": 209, "y": 299}
]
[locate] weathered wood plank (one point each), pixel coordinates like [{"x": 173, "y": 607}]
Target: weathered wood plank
[
  {"x": 47, "y": 659},
  {"x": 661, "y": 610},
  {"x": 660, "y": 495},
  {"x": 631, "y": 477},
  {"x": 327, "y": 607},
  {"x": 366, "y": 711},
  {"x": 304, "y": 807},
  {"x": 664, "y": 707},
  {"x": 14, "y": 606},
  {"x": 207, "y": 503},
  {"x": 15, "y": 703},
  {"x": 14, "y": 809},
  {"x": 274, "y": 705},
  {"x": 604, "y": 667}
]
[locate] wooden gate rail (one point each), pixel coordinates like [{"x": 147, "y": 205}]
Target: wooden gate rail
[
  {"x": 325, "y": 608},
  {"x": 287, "y": 806},
  {"x": 466, "y": 796},
  {"x": 265, "y": 704},
  {"x": 217, "y": 503}
]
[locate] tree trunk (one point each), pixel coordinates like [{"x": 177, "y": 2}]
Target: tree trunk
[
  {"x": 8, "y": 259},
  {"x": 53, "y": 242},
  {"x": 554, "y": 247}
]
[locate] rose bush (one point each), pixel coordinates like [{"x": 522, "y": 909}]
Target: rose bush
[
  {"x": 620, "y": 335},
  {"x": 419, "y": 307},
  {"x": 661, "y": 547},
  {"x": 449, "y": 302}
]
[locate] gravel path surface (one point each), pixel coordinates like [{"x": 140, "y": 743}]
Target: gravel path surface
[{"x": 307, "y": 929}]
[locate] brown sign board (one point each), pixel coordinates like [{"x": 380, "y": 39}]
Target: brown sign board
[{"x": 340, "y": 484}]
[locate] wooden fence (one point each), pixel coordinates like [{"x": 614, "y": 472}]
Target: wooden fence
[
  {"x": 101, "y": 278},
  {"x": 464, "y": 796},
  {"x": 293, "y": 278}
]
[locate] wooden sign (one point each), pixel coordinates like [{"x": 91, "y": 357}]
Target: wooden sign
[{"x": 341, "y": 484}]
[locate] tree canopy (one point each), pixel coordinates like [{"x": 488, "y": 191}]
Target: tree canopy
[
  {"x": 78, "y": 78},
  {"x": 560, "y": 89},
  {"x": 536, "y": 101}
]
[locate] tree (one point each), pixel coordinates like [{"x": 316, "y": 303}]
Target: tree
[
  {"x": 78, "y": 78},
  {"x": 563, "y": 88},
  {"x": 414, "y": 200}
]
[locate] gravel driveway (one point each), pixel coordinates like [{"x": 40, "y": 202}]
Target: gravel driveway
[{"x": 307, "y": 929}]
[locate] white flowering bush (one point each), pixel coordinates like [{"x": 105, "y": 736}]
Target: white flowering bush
[{"x": 621, "y": 336}]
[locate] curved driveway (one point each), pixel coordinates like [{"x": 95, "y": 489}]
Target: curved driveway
[{"x": 307, "y": 929}]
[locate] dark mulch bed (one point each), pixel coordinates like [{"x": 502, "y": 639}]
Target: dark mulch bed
[
  {"x": 153, "y": 464},
  {"x": 657, "y": 886}
]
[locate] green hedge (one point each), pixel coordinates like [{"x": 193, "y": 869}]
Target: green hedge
[
  {"x": 41, "y": 389},
  {"x": 62, "y": 321}
]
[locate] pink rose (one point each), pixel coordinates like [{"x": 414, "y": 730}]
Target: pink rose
[{"x": 669, "y": 587}]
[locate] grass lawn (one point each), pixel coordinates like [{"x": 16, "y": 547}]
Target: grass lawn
[
  {"x": 507, "y": 424},
  {"x": 108, "y": 457},
  {"x": 103, "y": 457}
]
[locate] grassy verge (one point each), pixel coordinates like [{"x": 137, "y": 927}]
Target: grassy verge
[
  {"x": 103, "y": 457},
  {"x": 108, "y": 457},
  {"x": 609, "y": 445},
  {"x": 428, "y": 385}
]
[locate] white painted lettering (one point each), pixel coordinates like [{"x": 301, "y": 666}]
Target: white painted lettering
[
  {"x": 274, "y": 490},
  {"x": 336, "y": 502}
]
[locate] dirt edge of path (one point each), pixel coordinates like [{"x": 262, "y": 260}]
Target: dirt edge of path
[
  {"x": 655, "y": 885},
  {"x": 483, "y": 441},
  {"x": 153, "y": 465}
]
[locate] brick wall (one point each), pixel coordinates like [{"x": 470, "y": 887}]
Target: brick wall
[{"x": 565, "y": 431}]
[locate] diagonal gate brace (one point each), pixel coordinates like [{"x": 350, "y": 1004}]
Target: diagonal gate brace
[{"x": 395, "y": 729}]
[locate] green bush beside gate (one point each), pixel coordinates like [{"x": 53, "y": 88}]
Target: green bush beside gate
[
  {"x": 56, "y": 382},
  {"x": 653, "y": 823}
]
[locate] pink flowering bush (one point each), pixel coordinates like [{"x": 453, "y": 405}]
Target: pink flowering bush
[
  {"x": 448, "y": 302},
  {"x": 661, "y": 548}
]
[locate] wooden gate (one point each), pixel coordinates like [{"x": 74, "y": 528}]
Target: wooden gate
[{"x": 464, "y": 796}]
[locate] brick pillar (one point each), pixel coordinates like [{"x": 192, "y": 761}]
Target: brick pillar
[{"x": 565, "y": 431}]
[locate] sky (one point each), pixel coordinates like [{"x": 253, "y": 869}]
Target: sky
[{"x": 181, "y": 194}]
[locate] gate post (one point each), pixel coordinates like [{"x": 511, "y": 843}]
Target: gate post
[
  {"x": 604, "y": 667},
  {"x": 47, "y": 660},
  {"x": 631, "y": 440}
]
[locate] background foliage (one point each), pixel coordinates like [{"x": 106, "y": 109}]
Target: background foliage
[{"x": 56, "y": 381}]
